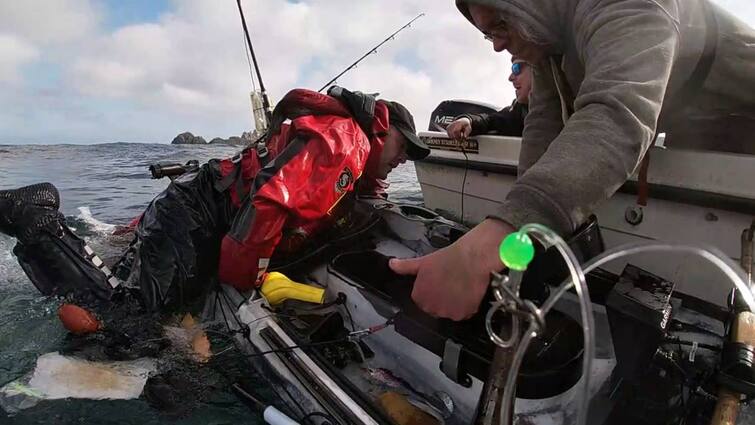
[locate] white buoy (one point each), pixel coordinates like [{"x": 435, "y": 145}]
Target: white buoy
[
  {"x": 270, "y": 414},
  {"x": 274, "y": 416}
]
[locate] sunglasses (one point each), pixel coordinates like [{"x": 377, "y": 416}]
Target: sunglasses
[
  {"x": 517, "y": 68},
  {"x": 499, "y": 30}
]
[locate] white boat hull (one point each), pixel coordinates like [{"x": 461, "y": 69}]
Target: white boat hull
[{"x": 695, "y": 197}]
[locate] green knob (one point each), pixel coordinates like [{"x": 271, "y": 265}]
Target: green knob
[{"x": 516, "y": 251}]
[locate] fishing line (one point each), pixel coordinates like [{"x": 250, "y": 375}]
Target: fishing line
[
  {"x": 234, "y": 308},
  {"x": 466, "y": 166},
  {"x": 243, "y": 331},
  {"x": 348, "y": 313},
  {"x": 286, "y": 349},
  {"x": 464, "y": 179},
  {"x": 290, "y": 348},
  {"x": 353, "y": 337},
  {"x": 265, "y": 99},
  {"x": 223, "y": 334},
  {"x": 369, "y": 52},
  {"x": 229, "y": 348},
  {"x": 222, "y": 310},
  {"x": 249, "y": 61}
]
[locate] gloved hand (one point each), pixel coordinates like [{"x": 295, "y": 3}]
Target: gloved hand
[
  {"x": 26, "y": 210},
  {"x": 459, "y": 129}
]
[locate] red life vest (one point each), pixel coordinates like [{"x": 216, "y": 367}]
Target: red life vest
[{"x": 314, "y": 162}]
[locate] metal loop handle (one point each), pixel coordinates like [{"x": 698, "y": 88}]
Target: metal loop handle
[{"x": 508, "y": 301}]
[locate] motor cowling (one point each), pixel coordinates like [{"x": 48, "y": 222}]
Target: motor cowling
[{"x": 445, "y": 113}]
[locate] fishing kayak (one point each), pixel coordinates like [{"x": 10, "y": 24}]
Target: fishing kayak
[{"x": 366, "y": 354}]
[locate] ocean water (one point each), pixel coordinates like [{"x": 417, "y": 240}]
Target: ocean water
[{"x": 102, "y": 185}]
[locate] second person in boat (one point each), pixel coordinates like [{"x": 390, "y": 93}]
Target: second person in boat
[{"x": 509, "y": 121}]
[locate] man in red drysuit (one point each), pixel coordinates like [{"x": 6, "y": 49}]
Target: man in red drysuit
[{"x": 229, "y": 217}]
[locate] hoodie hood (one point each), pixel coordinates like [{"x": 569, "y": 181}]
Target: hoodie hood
[{"x": 547, "y": 17}]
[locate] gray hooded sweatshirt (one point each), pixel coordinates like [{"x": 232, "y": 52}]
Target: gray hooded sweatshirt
[{"x": 614, "y": 68}]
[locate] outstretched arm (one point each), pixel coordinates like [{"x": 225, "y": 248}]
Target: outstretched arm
[{"x": 506, "y": 122}]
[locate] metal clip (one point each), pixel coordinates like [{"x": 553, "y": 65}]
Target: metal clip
[
  {"x": 509, "y": 302},
  {"x": 498, "y": 282},
  {"x": 357, "y": 335},
  {"x": 262, "y": 150}
]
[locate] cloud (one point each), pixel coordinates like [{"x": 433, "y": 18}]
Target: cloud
[
  {"x": 127, "y": 63},
  {"x": 50, "y": 22},
  {"x": 742, "y": 9},
  {"x": 193, "y": 59},
  {"x": 187, "y": 68},
  {"x": 14, "y": 53},
  {"x": 182, "y": 96}
]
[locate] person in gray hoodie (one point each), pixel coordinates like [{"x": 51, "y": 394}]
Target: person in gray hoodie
[{"x": 608, "y": 76}]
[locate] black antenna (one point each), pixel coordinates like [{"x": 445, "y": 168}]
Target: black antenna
[
  {"x": 369, "y": 52},
  {"x": 265, "y": 100}
]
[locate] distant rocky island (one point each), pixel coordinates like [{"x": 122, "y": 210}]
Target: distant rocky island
[{"x": 188, "y": 138}]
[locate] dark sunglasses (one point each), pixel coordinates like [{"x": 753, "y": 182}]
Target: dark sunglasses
[{"x": 517, "y": 68}]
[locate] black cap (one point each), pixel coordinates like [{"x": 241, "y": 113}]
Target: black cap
[{"x": 400, "y": 118}]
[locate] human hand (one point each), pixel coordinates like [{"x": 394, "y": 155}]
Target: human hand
[
  {"x": 459, "y": 129},
  {"x": 452, "y": 282}
]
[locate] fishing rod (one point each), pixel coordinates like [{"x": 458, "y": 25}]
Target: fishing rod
[
  {"x": 265, "y": 100},
  {"x": 369, "y": 52}
]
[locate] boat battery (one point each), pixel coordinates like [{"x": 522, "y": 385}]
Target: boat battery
[{"x": 639, "y": 310}]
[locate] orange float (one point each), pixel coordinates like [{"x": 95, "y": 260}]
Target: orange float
[{"x": 77, "y": 320}]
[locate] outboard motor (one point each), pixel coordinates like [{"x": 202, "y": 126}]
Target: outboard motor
[{"x": 444, "y": 114}]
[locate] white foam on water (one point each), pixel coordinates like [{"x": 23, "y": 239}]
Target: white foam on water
[
  {"x": 10, "y": 271},
  {"x": 85, "y": 214}
]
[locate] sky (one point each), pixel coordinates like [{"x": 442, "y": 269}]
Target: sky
[{"x": 97, "y": 71}]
